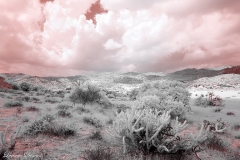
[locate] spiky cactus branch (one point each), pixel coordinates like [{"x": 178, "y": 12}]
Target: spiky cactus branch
[{"x": 3, "y": 139}]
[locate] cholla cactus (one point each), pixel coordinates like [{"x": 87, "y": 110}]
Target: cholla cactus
[
  {"x": 151, "y": 130},
  {"x": 3, "y": 139},
  {"x": 147, "y": 129}
]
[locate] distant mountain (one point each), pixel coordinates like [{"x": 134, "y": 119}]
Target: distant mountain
[
  {"x": 132, "y": 73},
  {"x": 191, "y": 74},
  {"x": 220, "y": 68},
  {"x": 13, "y": 75},
  {"x": 116, "y": 81},
  {"x": 231, "y": 70}
]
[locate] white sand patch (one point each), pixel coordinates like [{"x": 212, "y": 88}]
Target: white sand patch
[{"x": 225, "y": 94}]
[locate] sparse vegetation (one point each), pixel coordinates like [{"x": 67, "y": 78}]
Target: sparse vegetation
[
  {"x": 149, "y": 122},
  {"x": 165, "y": 96},
  {"x": 217, "y": 109},
  {"x": 81, "y": 110},
  {"x": 210, "y": 101},
  {"x": 236, "y": 126},
  {"x": 32, "y": 108},
  {"x": 100, "y": 152},
  {"x": 92, "y": 121},
  {"x": 46, "y": 126},
  {"x": 86, "y": 95},
  {"x": 25, "y": 86},
  {"x": 51, "y": 100},
  {"x": 128, "y": 80},
  {"x": 230, "y": 114},
  {"x": 63, "y": 107},
  {"x": 2, "y": 95},
  {"x": 64, "y": 113},
  {"x": 96, "y": 135},
  {"x": 13, "y": 104},
  {"x": 215, "y": 142},
  {"x": 200, "y": 101}
]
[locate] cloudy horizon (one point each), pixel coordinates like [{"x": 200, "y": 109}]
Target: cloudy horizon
[{"x": 70, "y": 37}]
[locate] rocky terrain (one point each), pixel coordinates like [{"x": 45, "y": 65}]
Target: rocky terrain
[
  {"x": 226, "y": 78},
  {"x": 3, "y": 84},
  {"x": 224, "y": 81}
]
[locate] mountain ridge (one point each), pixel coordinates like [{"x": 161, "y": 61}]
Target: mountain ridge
[{"x": 117, "y": 81}]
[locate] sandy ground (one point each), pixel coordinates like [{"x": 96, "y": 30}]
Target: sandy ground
[{"x": 225, "y": 94}]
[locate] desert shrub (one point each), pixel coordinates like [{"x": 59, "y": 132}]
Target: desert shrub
[
  {"x": 86, "y": 95},
  {"x": 230, "y": 113},
  {"x": 9, "y": 97},
  {"x": 216, "y": 101},
  {"x": 165, "y": 96},
  {"x": 35, "y": 88},
  {"x": 19, "y": 92},
  {"x": 100, "y": 152},
  {"x": 217, "y": 109},
  {"x": 32, "y": 108},
  {"x": 215, "y": 142},
  {"x": 153, "y": 102},
  {"x": 63, "y": 107},
  {"x": 13, "y": 104},
  {"x": 45, "y": 126},
  {"x": 64, "y": 130},
  {"x": 25, "y": 86},
  {"x": 40, "y": 93},
  {"x": 92, "y": 121},
  {"x": 10, "y": 91},
  {"x": 109, "y": 121},
  {"x": 51, "y": 100},
  {"x": 104, "y": 102},
  {"x": 121, "y": 107},
  {"x": 64, "y": 113},
  {"x": 151, "y": 131},
  {"x": 35, "y": 99},
  {"x": 96, "y": 135},
  {"x": 3, "y": 90},
  {"x": 133, "y": 94},
  {"x": 81, "y": 110},
  {"x": 25, "y": 98},
  {"x": 212, "y": 100},
  {"x": 127, "y": 80},
  {"x": 48, "y": 118},
  {"x": 2, "y": 95},
  {"x": 200, "y": 101},
  {"x": 236, "y": 126},
  {"x": 213, "y": 126},
  {"x": 232, "y": 155},
  {"x": 236, "y": 134}
]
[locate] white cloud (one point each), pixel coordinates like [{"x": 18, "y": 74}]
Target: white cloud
[
  {"x": 112, "y": 45},
  {"x": 133, "y": 35}
]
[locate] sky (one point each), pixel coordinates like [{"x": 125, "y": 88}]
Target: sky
[{"x": 72, "y": 37}]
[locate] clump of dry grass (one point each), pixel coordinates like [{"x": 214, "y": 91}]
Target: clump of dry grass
[
  {"x": 92, "y": 121},
  {"x": 13, "y": 104},
  {"x": 99, "y": 152},
  {"x": 32, "y": 108},
  {"x": 230, "y": 114}
]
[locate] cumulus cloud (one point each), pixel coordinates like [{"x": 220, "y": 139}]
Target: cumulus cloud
[
  {"x": 111, "y": 45},
  {"x": 54, "y": 37}
]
